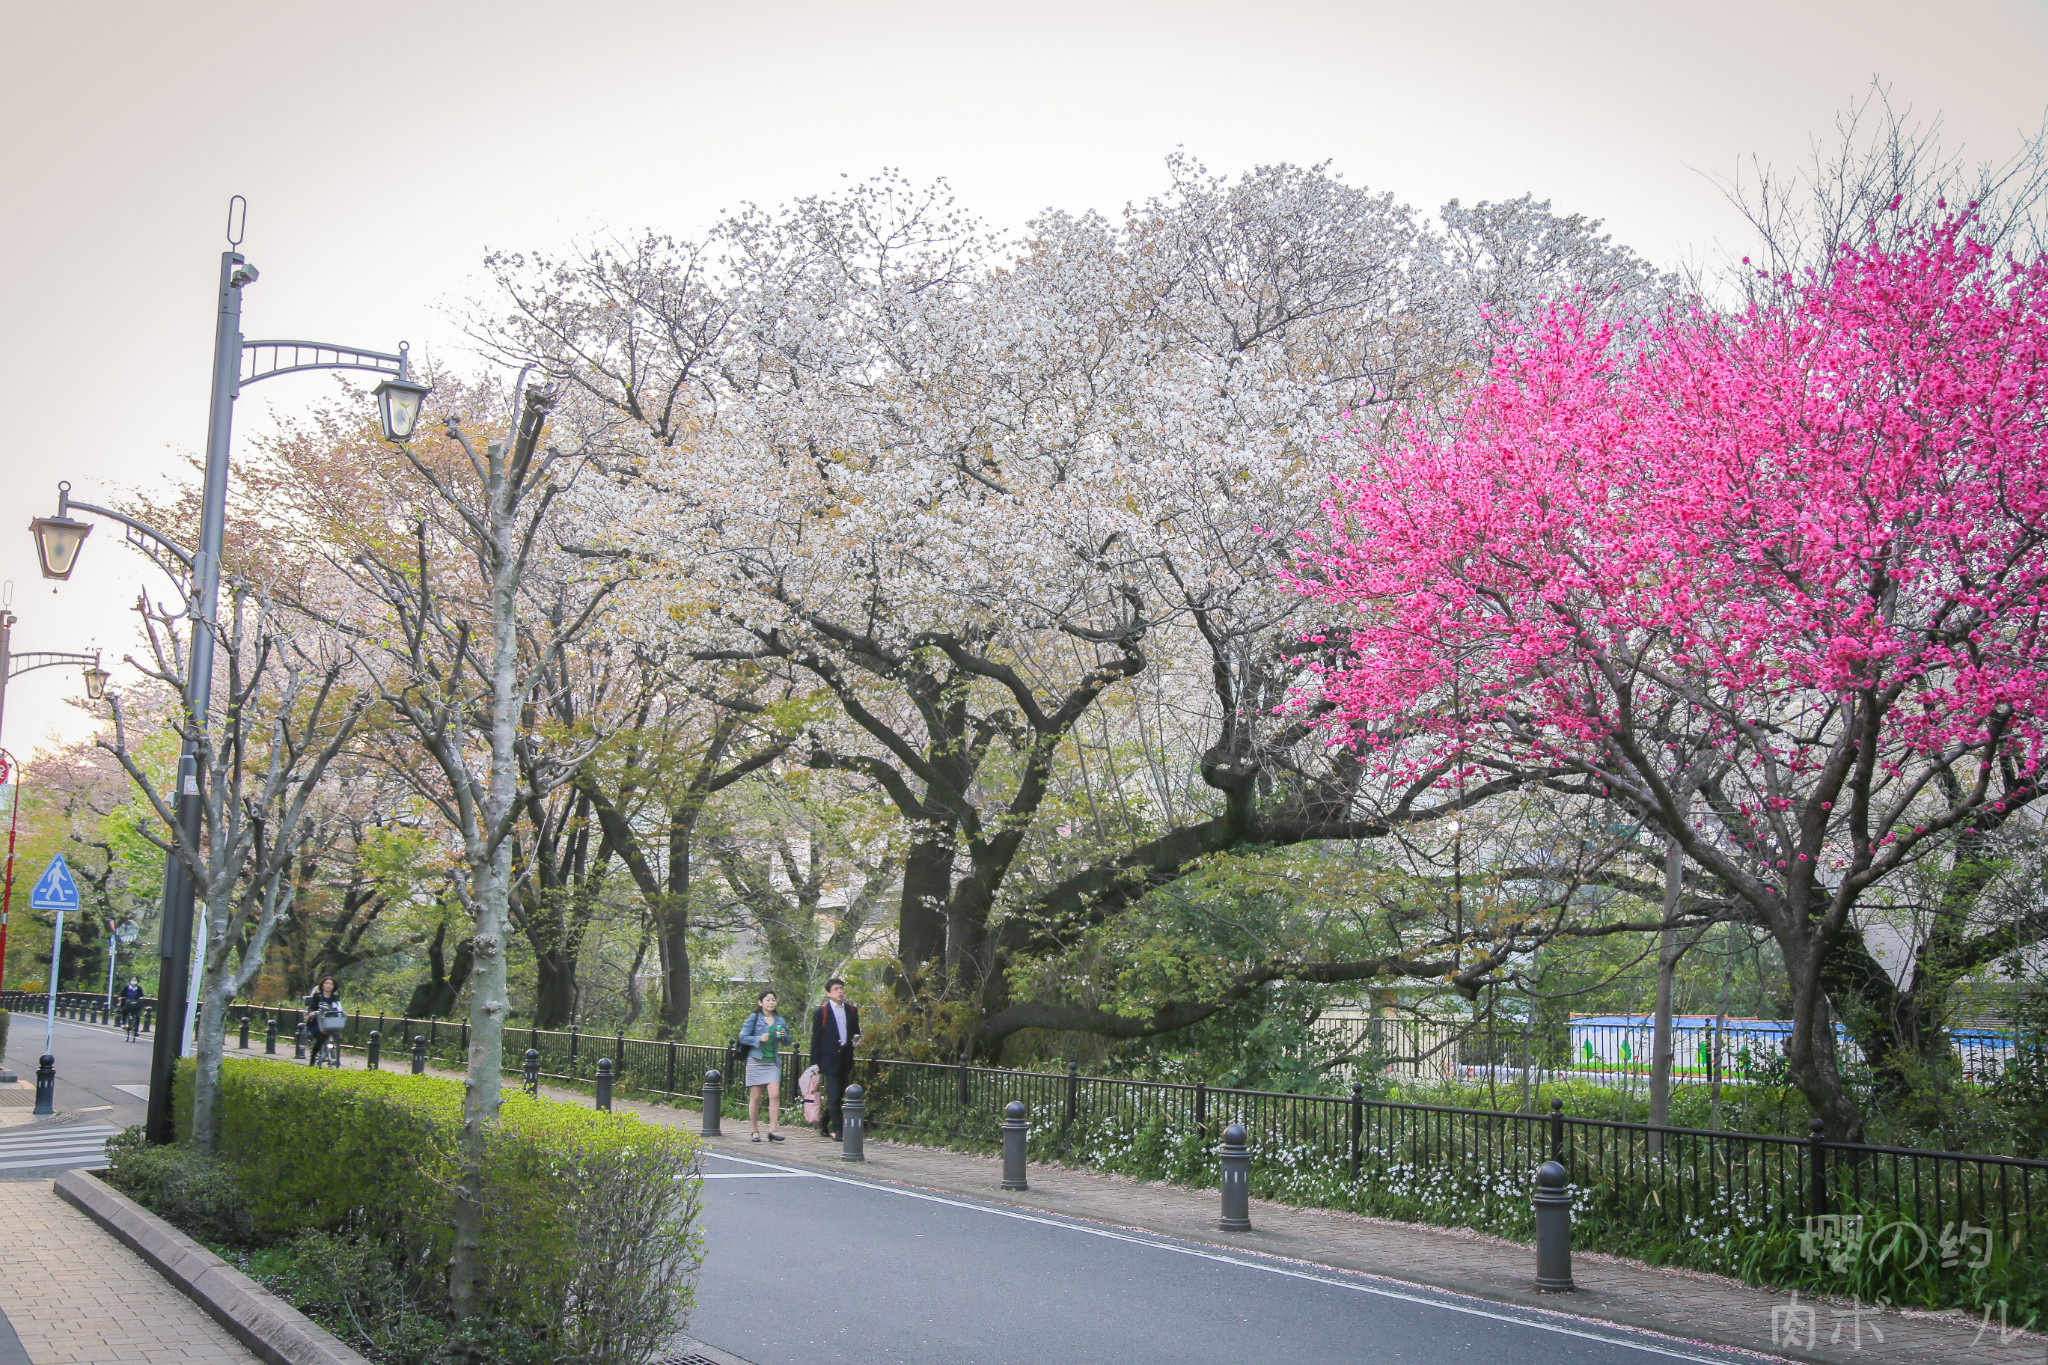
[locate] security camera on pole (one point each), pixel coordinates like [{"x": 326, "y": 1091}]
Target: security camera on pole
[{"x": 236, "y": 364}]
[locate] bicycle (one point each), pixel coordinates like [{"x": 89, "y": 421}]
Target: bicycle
[
  {"x": 131, "y": 1021},
  {"x": 326, "y": 1040}
]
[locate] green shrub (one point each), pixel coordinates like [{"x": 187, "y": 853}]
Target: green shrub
[
  {"x": 590, "y": 1233},
  {"x": 201, "y": 1194},
  {"x": 354, "y": 1287}
]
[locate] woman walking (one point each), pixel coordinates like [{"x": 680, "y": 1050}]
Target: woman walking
[{"x": 763, "y": 1033}]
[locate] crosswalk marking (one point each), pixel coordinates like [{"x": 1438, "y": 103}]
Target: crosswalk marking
[{"x": 83, "y": 1145}]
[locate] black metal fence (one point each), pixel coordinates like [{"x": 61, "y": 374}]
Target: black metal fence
[
  {"x": 87, "y": 1007},
  {"x": 1685, "y": 1183}
]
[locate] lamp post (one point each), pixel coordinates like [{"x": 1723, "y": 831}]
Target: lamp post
[{"x": 236, "y": 364}]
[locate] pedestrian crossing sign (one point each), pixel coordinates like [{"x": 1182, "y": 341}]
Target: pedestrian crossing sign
[{"x": 54, "y": 889}]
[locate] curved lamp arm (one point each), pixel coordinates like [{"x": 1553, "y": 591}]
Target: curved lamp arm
[{"x": 167, "y": 554}]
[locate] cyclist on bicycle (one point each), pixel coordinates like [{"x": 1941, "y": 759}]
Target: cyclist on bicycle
[
  {"x": 324, "y": 999},
  {"x": 131, "y": 1007}
]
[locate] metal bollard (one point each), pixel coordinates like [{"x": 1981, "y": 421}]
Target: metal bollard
[
  {"x": 245, "y": 1030},
  {"x": 1553, "y": 1229},
  {"x": 851, "y": 1107},
  {"x": 419, "y": 1055},
  {"x": 529, "y": 1073},
  {"x": 1236, "y": 1157},
  {"x": 376, "y": 1046},
  {"x": 714, "y": 1096},
  {"x": 299, "y": 1043},
  {"x": 270, "y": 1037},
  {"x": 46, "y": 1085},
  {"x": 148, "y": 1017},
  {"x": 1016, "y": 1132},
  {"x": 604, "y": 1084}
]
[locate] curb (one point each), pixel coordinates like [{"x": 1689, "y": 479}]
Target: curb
[{"x": 278, "y": 1333}]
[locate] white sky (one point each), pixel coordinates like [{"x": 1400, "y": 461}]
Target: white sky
[{"x": 385, "y": 146}]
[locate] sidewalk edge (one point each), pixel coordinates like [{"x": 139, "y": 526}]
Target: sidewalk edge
[{"x": 278, "y": 1333}]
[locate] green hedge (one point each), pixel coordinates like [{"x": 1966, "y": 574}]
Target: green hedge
[{"x": 590, "y": 1228}]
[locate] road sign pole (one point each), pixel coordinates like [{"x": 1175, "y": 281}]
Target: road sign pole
[
  {"x": 54, "y": 890},
  {"x": 113, "y": 951},
  {"x": 50, "y": 1010}
]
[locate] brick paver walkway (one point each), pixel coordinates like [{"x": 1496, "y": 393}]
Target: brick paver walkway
[{"x": 75, "y": 1296}]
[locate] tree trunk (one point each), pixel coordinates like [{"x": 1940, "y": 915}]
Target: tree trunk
[
  {"x": 482, "y": 1086},
  {"x": 927, "y": 886},
  {"x": 1811, "y": 1059},
  {"x": 435, "y": 997},
  {"x": 1667, "y": 966},
  {"x": 554, "y": 990},
  {"x": 672, "y": 918},
  {"x": 491, "y": 867},
  {"x": 211, "y": 1043}
]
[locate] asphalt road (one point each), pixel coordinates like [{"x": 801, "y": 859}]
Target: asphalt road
[
  {"x": 91, "y": 1061},
  {"x": 804, "y": 1269}
]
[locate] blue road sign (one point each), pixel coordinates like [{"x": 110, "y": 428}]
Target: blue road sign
[{"x": 54, "y": 889}]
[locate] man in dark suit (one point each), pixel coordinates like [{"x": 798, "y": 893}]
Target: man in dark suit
[{"x": 835, "y": 1033}]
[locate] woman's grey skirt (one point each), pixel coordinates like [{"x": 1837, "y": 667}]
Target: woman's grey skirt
[{"x": 763, "y": 1073}]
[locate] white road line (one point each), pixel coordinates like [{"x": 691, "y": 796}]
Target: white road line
[
  {"x": 1624, "y": 1339},
  {"x": 759, "y": 1175},
  {"x": 67, "y": 1145},
  {"x": 68, "y": 1159},
  {"x": 69, "y": 1137},
  {"x": 56, "y": 1153}
]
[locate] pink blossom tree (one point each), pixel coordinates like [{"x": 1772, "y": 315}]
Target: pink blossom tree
[{"x": 1773, "y": 581}]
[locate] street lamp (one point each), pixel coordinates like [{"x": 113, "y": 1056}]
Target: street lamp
[
  {"x": 236, "y": 365},
  {"x": 58, "y": 541},
  {"x": 96, "y": 682},
  {"x": 398, "y": 405}
]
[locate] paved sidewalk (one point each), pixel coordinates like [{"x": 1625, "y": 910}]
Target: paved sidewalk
[{"x": 75, "y": 1296}]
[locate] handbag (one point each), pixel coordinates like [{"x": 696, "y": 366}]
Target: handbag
[
  {"x": 740, "y": 1047},
  {"x": 807, "y": 1086}
]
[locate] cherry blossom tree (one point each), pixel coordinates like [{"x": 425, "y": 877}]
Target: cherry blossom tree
[
  {"x": 969, "y": 493},
  {"x": 1809, "y": 541}
]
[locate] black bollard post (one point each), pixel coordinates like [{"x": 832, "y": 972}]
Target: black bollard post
[
  {"x": 245, "y": 1030},
  {"x": 299, "y": 1042},
  {"x": 148, "y": 1018},
  {"x": 851, "y": 1108},
  {"x": 270, "y": 1037},
  {"x": 529, "y": 1075},
  {"x": 46, "y": 1085},
  {"x": 1553, "y": 1230},
  {"x": 419, "y": 1054},
  {"x": 1016, "y": 1133},
  {"x": 714, "y": 1099},
  {"x": 1236, "y": 1157},
  {"x": 604, "y": 1084},
  {"x": 376, "y": 1045}
]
